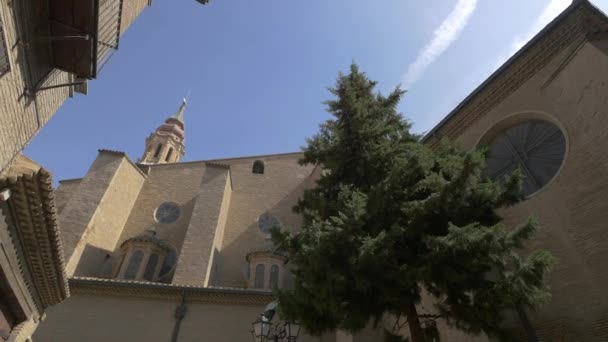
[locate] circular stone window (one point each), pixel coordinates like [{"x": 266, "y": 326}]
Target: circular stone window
[
  {"x": 536, "y": 147},
  {"x": 167, "y": 213},
  {"x": 266, "y": 222}
]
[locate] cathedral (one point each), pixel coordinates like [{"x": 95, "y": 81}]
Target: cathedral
[
  {"x": 163, "y": 250},
  {"x": 142, "y": 239}
]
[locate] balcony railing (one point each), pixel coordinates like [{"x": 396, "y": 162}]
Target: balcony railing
[
  {"x": 4, "y": 63},
  {"x": 84, "y": 34}
]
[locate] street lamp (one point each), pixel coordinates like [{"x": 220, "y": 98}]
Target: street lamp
[
  {"x": 292, "y": 330},
  {"x": 264, "y": 331}
]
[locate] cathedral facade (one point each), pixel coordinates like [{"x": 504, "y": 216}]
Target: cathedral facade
[
  {"x": 142, "y": 240},
  {"x": 163, "y": 250}
]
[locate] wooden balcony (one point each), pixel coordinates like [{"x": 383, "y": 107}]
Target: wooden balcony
[{"x": 83, "y": 34}]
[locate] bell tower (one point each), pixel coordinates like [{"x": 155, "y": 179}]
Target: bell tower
[{"x": 166, "y": 144}]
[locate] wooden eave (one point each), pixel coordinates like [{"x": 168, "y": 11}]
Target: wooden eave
[{"x": 31, "y": 211}]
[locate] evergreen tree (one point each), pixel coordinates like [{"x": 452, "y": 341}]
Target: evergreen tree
[{"x": 390, "y": 217}]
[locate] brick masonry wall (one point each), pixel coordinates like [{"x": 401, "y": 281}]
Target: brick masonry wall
[
  {"x": 235, "y": 229},
  {"x": 21, "y": 117},
  {"x": 64, "y": 191},
  {"x": 573, "y": 208},
  {"x": 176, "y": 183},
  {"x": 276, "y": 191},
  {"x": 195, "y": 258},
  {"x": 131, "y": 9},
  {"x": 102, "y": 234},
  {"x": 95, "y": 215}
]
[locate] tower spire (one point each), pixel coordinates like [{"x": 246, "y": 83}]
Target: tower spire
[
  {"x": 166, "y": 144},
  {"x": 179, "y": 115}
]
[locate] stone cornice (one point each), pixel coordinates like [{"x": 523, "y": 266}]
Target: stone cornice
[
  {"x": 218, "y": 165},
  {"x": 578, "y": 21},
  {"x": 143, "y": 289},
  {"x": 267, "y": 252},
  {"x": 32, "y": 212}
]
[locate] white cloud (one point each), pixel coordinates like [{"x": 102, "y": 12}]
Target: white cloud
[
  {"x": 443, "y": 37},
  {"x": 552, "y": 10}
]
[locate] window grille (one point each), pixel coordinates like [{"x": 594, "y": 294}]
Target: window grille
[
  {"x": 5, "y": 66},
  {"x": 259, "y": 277},
  {"x": 274, "y": 276},
  {"x": 258, "y": 167},
  {"x": 535, "y": 147}
]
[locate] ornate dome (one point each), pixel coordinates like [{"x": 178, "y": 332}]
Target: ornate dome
[{"x": 172, "y": 126}]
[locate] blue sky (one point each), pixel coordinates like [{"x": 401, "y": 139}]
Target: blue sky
[{"x": 258, "y": 70}]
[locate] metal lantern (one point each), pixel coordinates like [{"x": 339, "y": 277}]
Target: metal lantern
[
  {"x": 264, "y": 331},
  {"x": 261, "y": 329},
  {"x": 292, "y": 330}
]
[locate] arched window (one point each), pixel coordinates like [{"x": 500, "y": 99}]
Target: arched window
[
  {"x": 151, "y": 267},
  {"x": 258, "y": 167},
  {"x": 259, "y": 276},
  {"x": 157, "y": 153},
  {"x": 169, "y": 154},
  {"x": 167, "y": 267},
  {"x": 274, "y": 276},
  {"x": 134, "y": 262}
]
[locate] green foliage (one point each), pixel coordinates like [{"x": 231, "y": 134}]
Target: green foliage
[{"x": 390, "y": 217}]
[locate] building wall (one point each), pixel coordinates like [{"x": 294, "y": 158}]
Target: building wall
[
  {"x": 219, "y": 208},
  {"x": 94, "y": 216},
  {"x": 104, "y": 318},
  {"x": 177, "y": 183},
  {"x": 276, "y": 191},
  {"x": 64, "y": 191},
  {"x": 22, "y": 116},
  {"x": 571, "y": 91},
  {"x": 131, "y": 9},
  {"x": 196, "y": 256}
]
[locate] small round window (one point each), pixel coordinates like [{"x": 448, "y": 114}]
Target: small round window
[
  {"x": 167, "y": 213},
  {"x": 266, "y": 222},
  {"x": 536, "y": 147}
]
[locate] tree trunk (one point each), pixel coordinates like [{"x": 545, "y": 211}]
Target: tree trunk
[
  {"x": 416, "y": 333},
  {"x": 530, "y": 332}
]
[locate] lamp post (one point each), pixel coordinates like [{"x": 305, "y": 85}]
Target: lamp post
[{"x": 264, "y": 331}]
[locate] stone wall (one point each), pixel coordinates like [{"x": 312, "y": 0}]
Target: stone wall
[{"x": 94, "y": 318}]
